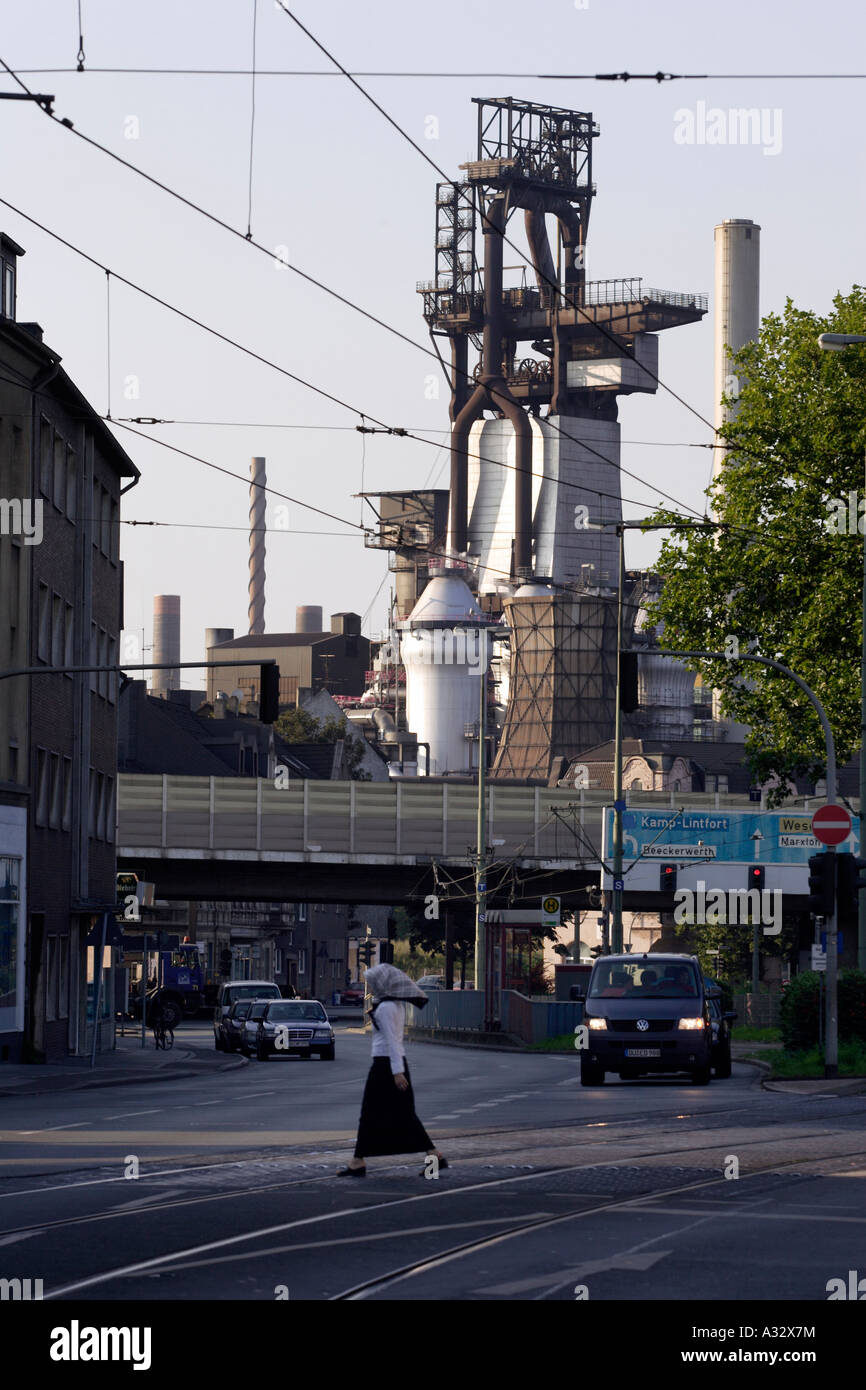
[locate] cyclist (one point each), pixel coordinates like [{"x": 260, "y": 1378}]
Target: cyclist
[{"x": 163, "y": 1034}]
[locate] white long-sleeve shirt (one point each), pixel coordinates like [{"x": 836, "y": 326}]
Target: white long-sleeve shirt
[{"x": 388, "y": 1039}]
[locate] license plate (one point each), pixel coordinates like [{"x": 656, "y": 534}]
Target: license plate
[{"x": 643, "y": 1052}]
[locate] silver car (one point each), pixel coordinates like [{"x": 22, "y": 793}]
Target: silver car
[{"x": 298, "y": 1026}]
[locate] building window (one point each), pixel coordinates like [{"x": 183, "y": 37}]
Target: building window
[
  {"x": 10, "y": 870},
  {"x": 46, "y": 455},
  {"x": 94, "y": 513},
  {"x": 66, "y": 816},
  {"x": 63, "y": 977},
  {"x": 55, "y": 791},
  {"x": 13, "y": 762},
  {"x": 14, "y": 595},
  {"x": 102, "y": 684},
  {"x": 43, "y": 641},
  {"x": 41, "y": 812},
  {"x": 7, "y": 290},
  {"x": 51, "y": 980},
  {"x": 302, "y": 912},
  {"x": 94, "y": 655},
  {"x": 71, "y": 484},
  {"x": 57, "y": 631},
  {"x": 114, "y": 531},
  {"x": 68, "y": 637},
  {"x": 110, "y": 792},
  {"x": 59, "y": 472},
  {"x": 302, "y": 961},
  {"x": 112, "y": 678},
  {"x": 100, "y": 805},
  {"x": 91, "y": 805}
]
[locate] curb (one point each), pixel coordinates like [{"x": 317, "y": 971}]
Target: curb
[{"x": 183, "y": 1072}]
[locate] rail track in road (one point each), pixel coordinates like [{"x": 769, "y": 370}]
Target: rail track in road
[{"x": 241, "y": 1247}]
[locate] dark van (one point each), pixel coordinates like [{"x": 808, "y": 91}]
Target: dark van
[{"x": 646, "y": 1014}]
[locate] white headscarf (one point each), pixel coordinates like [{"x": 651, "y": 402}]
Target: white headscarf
[{"x": 387, "y": 982}]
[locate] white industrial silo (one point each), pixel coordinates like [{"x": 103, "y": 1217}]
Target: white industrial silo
[{"x": 444, "y": 651}]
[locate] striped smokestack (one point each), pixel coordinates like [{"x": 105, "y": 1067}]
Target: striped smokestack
[{"x": 257, "y": 546}]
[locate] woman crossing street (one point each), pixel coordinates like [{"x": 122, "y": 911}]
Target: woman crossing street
[{"x": 388, "y": 1123}]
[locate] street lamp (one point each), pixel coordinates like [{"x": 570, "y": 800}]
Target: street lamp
[
  {"x": 621, "y": 527},
  {"x": 840, "y": 342}
]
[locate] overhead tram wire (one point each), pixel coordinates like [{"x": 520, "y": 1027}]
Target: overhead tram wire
[
  {"x": 419, "y": 75},
  {"x": 389, "y": 328},
  {"x": 552, "y": 284},
  {"x": 293, "y": 376}
]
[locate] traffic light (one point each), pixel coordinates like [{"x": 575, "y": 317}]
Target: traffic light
[
  {"x": 667, "y": 878},
  {"x": 822, "y": 884},
  {"x": 755, "y": 877},
  {"x": 269, "y": 687},
  {"x": 365, "y": 952},
  {"x": 628, "y": 700},
  {"x": 849, "y": 883}
]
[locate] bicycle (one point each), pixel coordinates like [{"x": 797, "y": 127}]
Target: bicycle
[{"x": 163, "y": 1035}]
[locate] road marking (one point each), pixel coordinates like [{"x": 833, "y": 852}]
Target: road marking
[
  {"x": 256, "y": 1094},
  {"x": 197, "y": 1103},
  {"x": 637, "y": 1263},
  {"x": 125, "y": 1114},
  {"x": 78, "y": 1124}
]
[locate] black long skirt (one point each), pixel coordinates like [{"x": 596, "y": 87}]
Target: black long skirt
[{"x": 388, "y": 1123}]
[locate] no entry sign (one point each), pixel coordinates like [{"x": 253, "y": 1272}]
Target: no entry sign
[{"x": 831, "y": 825}]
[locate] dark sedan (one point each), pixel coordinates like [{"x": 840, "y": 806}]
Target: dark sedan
[{"x": 295, "y": 1026}]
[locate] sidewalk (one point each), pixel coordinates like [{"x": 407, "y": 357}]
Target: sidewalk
[
  {"x": 128, "y": 1064},
  {"x": 817, "y": 1086}
]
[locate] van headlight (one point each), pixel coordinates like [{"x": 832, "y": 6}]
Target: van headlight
[
  {"x": 691, "y": 1025},
  {"x": 597, "y": 1024}
]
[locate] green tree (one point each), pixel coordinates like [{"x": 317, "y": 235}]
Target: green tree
[
  {"x": 783, "y": 580},
  {"x": 297, "y": 725}
]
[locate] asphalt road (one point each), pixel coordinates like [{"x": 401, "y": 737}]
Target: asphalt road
[{"x": 553, "y": 1191}]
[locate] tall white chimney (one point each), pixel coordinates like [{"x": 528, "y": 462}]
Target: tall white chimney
[{"x": 736, "y": 312}]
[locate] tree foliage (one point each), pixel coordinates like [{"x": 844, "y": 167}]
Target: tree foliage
[
  {"x": 783, "y": 580},
  {"x": 297, "y": 725}
]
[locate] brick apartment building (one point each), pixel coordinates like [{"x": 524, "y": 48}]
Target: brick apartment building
[{"x": 61, "y": 599}]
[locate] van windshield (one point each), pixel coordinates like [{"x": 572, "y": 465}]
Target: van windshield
[{"x": 642, "y": 980}]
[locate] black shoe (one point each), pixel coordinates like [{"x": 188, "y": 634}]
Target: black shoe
[{"x": 352, "y": 1172}]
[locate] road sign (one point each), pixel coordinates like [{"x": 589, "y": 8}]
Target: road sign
[
  {"x": 819, "y": 958},
  {"x": 550, "y": 916},
  {"x": 831, "y": 825},
  {"x": 619, "y": 885}
]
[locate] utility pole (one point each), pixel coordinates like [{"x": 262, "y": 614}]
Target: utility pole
[{"x": 481, "y": 948}]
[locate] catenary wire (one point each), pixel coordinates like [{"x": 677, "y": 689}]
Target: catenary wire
[
  {"x": 355, "y": 410},
  {"x": 334, "y": 293},
  {"x": 552, "y": 284}
]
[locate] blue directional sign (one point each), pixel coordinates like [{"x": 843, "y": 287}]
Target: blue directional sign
[{"x": 722, "y": 836}]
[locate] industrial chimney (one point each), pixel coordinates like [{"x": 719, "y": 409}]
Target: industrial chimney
[
  {"x": 258, "y": 504},
  {"x": 308, "y": 617},
  {"x": 736, "y": 316},
  {"x": 166, "y": 642}
]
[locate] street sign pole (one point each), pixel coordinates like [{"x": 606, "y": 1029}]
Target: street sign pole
[{"x": 831, "y": 1030}]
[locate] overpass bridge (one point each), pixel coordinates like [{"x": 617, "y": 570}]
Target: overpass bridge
[{"x": 231, "y": 838}]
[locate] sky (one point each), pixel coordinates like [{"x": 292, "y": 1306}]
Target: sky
[{"x": 339, "y": 193}]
